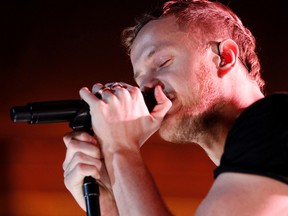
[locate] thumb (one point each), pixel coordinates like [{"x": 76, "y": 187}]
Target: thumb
[{"x": 163, "y": 103}]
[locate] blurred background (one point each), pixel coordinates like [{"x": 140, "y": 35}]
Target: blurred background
[{"x": 49, "y": 50}]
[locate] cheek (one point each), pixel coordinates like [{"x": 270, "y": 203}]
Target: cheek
[
  {"x": 187, "y": 86},
  {"x": 186, "y": 76}
]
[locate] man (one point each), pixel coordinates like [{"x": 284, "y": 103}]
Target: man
[{"x": 201, "y": 62}]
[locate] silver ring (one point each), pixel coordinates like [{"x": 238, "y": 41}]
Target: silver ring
[
  {"x": 115, "y": 84},
  {"x": 104, "y": 88}
]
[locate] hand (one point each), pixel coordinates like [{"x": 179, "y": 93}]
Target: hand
[
  {"x": 122, "y": 116},
  {"x": 83, "y": 158},
  {"x": 122, "y": 123}
]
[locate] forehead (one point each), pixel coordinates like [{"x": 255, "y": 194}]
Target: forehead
[{"x": 156, "y": 34}]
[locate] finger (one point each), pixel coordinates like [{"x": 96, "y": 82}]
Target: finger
[
  {"x": 75, "y": 146},
  {"x": 81, "y": 161},
  {"x": 124, "y": 86},
  {"x": 74, "y": 178},
  {"x": 163, "y": 103},
  {"x": 121, "y": 91},
  {"x": 102, "y": 92},
  {"x": 96, "y": 87},
  {"x": 117, "y": 89},
  {"x": 74, "y": 183},
  {"x": 106, "y": 94},
  {"x": 79, "y": 135},
  {"x": 87, "y": 96},
  {"x": 115, "y": 84},
  {"x": 79, "y": 146},
  {"x": 111, "y": 84}
]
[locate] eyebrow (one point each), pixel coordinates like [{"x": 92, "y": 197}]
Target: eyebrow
[{"x": 152, "y": 52}]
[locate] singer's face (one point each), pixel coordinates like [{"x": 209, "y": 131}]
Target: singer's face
[{"x": 164, "y": 53}]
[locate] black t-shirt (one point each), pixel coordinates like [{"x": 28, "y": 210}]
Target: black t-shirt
[{"x": 258, "y": 140}]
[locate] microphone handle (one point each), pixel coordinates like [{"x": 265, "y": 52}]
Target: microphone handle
[{"x": 91, "y": 195}]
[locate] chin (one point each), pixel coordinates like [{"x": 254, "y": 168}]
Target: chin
[
  {"x": 179, "y": 128},
  {"x": 165, "y": 135},
  {"x": 168, "y": 130}
]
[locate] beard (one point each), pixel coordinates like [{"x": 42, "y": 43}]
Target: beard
[
  {"x": 196, "y": 120},
  {"x": 189, "y": 128}
]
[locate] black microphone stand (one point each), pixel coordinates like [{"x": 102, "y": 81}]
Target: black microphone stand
[{"x": 91, "y": 194}]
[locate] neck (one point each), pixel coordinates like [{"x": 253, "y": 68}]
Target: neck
[{"x": 213, "y": 141}]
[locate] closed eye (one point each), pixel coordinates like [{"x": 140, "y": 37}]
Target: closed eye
[{"x": 165, "y": 63}]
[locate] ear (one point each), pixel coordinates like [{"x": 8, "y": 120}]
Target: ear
[{"x": 228, "y": 51}]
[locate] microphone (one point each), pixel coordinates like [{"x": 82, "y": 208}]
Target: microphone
[
  {"x": 74, "y": 111},
  {"x": 77, "y": 113}
]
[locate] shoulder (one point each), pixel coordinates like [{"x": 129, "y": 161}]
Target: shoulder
[
  {"x": 262, "y": 116},
  {"x": 252, "y": 178},
  {"x": 258, "y": 141},
  {"x": 274, "y": 104},
  {"x": 245, "y": 194}
]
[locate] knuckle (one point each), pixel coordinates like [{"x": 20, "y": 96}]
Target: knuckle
[
  {"x": 79, "y": 156},
  {"x": 73, "y": 144},
  {"x": 64, "y": 165},
  {"x": 81, "y": 168}
]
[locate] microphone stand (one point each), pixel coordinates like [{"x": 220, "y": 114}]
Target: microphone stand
[{"x": 91, "y": 194}]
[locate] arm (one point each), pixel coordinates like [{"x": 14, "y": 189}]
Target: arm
[
  {"x": 134, "y": 188},
  {"x": 125, "y": 125},
  {"x": 245, "y": 194}
]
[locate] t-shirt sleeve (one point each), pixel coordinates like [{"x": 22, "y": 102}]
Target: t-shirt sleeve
[{"x": 258, "y": 141}]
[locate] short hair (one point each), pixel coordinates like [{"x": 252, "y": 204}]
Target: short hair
[{"x": 213, "y": 18}]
